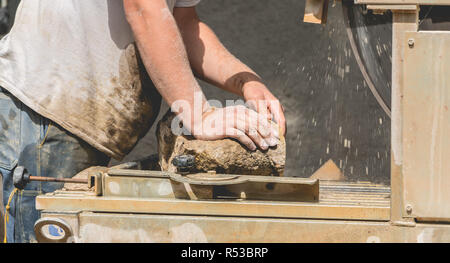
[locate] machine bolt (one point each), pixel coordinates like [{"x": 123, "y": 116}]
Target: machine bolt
[
  {"x": 408, "y": 209},
  {"x": 411, "y": 43}
]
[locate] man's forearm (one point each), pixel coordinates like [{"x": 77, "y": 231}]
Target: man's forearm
[
  {"x": 210, "y": 60},
  {"x": 162, "y": 50}
]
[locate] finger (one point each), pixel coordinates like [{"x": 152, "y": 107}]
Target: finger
[
  {"x": 260, "y": 122},
  {"x": 268, "y": 131},
  {"x": 276, "y": 109},
  {"x": 241, "y": 137},
  {"x": 261, "y": 107},
  {"x": 258, "y": 126},
  {"x": 244, "y": 125}
]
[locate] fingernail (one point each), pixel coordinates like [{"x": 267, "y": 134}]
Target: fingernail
[
  {"x": 264, "y": 145},
  {"x": 252, "y": 147}
]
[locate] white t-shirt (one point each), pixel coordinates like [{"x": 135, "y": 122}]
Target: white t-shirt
[{"x": 75, "y": 62}]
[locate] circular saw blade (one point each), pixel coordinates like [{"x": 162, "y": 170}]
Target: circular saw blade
[{"x": 370, "y": 38}]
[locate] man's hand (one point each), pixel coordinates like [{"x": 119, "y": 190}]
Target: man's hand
[
  {"x": 238, "y": 122},
  {"x": 259, "y": 98}
]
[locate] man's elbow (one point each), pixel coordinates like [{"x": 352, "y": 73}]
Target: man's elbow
[
  {"x": 133, "y": 9},
  {"x": 138, "y": 9}
]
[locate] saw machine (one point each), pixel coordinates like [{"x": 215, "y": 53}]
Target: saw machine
[
  {"x": 127, "y": 204},
  {"x": 133, "y": 203}
]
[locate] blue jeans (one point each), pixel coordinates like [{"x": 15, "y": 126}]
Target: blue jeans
[{"x": 44, "y": 149}]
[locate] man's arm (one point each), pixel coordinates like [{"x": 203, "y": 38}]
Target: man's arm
[
  {"x": 162, "y": 50},
  {"x": 164, "y": 55},
  {"x": 213, "y": 63}
]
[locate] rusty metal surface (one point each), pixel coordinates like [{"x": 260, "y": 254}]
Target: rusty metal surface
[
  {"x": 340, "y": 201},
  {"x": 106, "y": 227},
  {"x": 426, "y": 125},
  {"x": 60, "y": 180}
]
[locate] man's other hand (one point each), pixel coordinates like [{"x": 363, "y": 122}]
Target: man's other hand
[
  {"x": 259, "y": 98},
  {"x": 239, "y": 122}
]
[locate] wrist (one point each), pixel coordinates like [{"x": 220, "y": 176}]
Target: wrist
[
  {"x": 249, "y": 88},
  {"x": 239, "y": 82}
]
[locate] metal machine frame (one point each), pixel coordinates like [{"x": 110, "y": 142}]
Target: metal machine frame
[{"x": 419, "y": 172}]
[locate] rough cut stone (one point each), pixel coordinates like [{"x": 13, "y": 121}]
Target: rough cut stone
[{"x": 223, "y": 156}]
